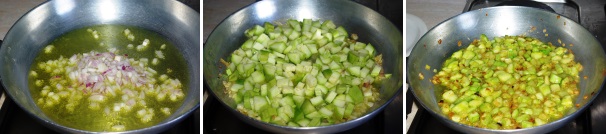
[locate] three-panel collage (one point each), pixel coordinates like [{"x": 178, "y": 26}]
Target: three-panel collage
[{"x": 302, "y": 66}]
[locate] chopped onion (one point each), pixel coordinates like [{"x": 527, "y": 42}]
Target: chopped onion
[
  {"x": 159, "y": 54},
  {"x": 118, "y": 127},
  {"x": 101, "y": 77}
]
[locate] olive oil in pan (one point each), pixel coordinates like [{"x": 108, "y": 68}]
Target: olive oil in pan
[{"x": 108, "y": 37}]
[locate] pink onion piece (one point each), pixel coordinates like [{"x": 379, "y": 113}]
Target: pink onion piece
[{"x": 99, "y": 70}]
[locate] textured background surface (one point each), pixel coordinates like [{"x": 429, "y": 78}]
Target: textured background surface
[
  {"x": 433, "y": 12},
  {"x": 12, "y": 10},
  {"x": 217, "y": 10}
]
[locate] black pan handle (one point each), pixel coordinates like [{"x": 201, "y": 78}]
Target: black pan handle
[
  {"x": 539, "y": 5},
  {"x": 527, "y": 3}
]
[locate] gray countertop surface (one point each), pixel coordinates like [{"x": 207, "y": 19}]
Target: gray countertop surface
[
  {"x": 432, "y": 12},
  {"x": 214, "y": 11},
  {"x": 12, "y": 10}
]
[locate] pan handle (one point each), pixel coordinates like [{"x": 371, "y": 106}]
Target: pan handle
[{"x": 527, "y": 3}]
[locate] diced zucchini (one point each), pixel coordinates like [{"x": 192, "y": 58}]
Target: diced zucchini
[
  {"x": 316, "y": 100},
  {"x": 258, "y": 77},
  {"x": 308, "y": 107},
  {"x": 348, "y": 110},
  {"x": 260, "y": 103},
  {"x": 298, "y": 100},
  {"x": 303, "y": 122},
  {"x": 356, "y": 94},
  {"x": 263, "y": 39},
  {"x": 294, "y": 24},
  {"x": 328, "y": 24},
  {"x": 235, "y": 87},
  {"x": 278, "y": 47},
  {"x": 287, "y": 101},
  {"x": 331, "y": 96},
  {"x": 287, "y": 110},
  {"x": 314, "y": 122},
  {"x": 375, "y": 71},
  {"x": 314, "y": 114},
  {"x": 305, "y": 73},
  {"x": 339, "y": 103},
  {"x": 294, "y": 57},
  {"x": 324, "y": 111},
  {"x": 269, "y": 28},
  {"x": 354, "y": 70}
]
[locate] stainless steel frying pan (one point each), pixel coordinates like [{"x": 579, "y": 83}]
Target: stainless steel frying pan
[
  {"x": 355, "y": 18},
  {"x": 501, "y": 21},
  {"x": 171, "y": 19}
]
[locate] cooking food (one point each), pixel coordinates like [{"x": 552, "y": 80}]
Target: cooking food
[
  {"x": 303, "y": 74},
  {"x": 509, "y": 82},
  {"x": 108, "y": 78}
]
